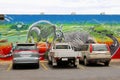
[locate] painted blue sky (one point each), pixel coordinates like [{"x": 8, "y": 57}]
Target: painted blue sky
[{"x": 61, "y": 19}]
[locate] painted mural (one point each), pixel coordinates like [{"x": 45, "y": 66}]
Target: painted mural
[{"x": 77, "y": 29}]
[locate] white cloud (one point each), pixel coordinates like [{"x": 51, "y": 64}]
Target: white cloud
[{"x": 59, "y": 6}]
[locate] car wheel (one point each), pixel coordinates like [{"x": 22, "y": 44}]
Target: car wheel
[
  {"x": 14, "y": 66},
  {"x": 49, "y": 62},
  {"x": 75, "y": 65},
  {"x": 53, "y": 63},
  {"x": 81, "y": 62},
  {"x": 85, "y": 62},
  {"x": 37, "y": 65},
  {"x": 106, "y": 63}
]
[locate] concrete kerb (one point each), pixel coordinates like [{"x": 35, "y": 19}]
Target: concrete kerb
[
  {"x": 10, "y": 61},
  {"x": 6, "y": 62},
  {"x": 115, "y": 61}
]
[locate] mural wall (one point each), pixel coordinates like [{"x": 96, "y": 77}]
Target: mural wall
[{"x": 77, "y": 29}]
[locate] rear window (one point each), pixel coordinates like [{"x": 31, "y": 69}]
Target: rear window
[
  {"x": 84, "y": 47},
  {"x": 81, "y": 48},
  {"x": 25, "y": 47},
  {"x": 100, "y": 48},
  {"x": 62, "y": 47}
]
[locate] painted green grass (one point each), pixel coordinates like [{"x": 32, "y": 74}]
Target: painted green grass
[
  {"x": 105, "y": 29},
  {"x": 14, "y": 35}
]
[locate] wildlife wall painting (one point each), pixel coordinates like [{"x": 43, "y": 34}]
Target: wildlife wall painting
[{"x": 46, "y": 29}]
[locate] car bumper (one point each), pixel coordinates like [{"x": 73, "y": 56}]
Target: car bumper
[
  {"x": 99, "y": 60},
  {"x": 100, "y": 57},
  {"x": 95, "y": 58},
  {"x": 25, "y": 60}
]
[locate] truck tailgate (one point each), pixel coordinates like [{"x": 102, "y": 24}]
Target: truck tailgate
[{"x": 65, "y": 53}]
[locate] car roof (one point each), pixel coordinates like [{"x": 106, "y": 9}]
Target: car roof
[{"x": 62, "y": 43}]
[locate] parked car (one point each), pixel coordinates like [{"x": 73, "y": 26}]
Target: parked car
[
  {"x": 93, "y": 53},
  {"x": 25, "y": 53},
  {"x": 62, "y": 53}
]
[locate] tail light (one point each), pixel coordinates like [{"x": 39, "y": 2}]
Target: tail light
[
  {"x": 108, "y": 47},
  {"x": 78, "y": 57},
  {"x": 90, "y": 48}
]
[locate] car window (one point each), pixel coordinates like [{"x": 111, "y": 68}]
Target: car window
[
  {"x": 100, "y": 48},
  {"x": 25, "y": 48},
  {"x": 84, "y": 47},
  {"x": 62, "y": 47}
]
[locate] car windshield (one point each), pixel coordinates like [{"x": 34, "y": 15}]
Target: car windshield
[
  {"x": 25, "y": 48},
  {"x": 62, "y": 47},
  {"x": 100, "y": 48}
]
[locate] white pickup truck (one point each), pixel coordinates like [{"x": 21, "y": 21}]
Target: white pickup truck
[{"x": 62, "y": 53}]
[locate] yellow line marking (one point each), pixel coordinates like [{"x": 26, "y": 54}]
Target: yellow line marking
[
  {"x": 44, "y": 61},
  {"x": 10, "y": 67},
  {"x": 81, "y": 67},
  {"x": 42, "y": 64},
  {"x": 4, "y": 62}
]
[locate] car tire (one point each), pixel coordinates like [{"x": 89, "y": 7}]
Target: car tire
[
  {"x": 85, "y": 62},
  {"x": 75, "y": 66},
  {"x": 81, "y": 62},
  {"x": 14, "y": 66},
  {"x": 53, "y": 64},
  {"x": 49, "y": 62},
  {"x": 106, "y": 63},
  {"x": 37, "y": 66}
]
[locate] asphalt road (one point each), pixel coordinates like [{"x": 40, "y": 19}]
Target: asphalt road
[{"x": 47, "y": 72}]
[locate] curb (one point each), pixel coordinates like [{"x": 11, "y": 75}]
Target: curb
[
  {"x": 115, "y": 61},
  {"x": 10, "y": 61}
]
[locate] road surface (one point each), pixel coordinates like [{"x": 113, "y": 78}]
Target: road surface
[{"x": 47, "y": 72}]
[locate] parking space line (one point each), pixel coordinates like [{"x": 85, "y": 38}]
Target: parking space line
[
  {"x": 81, "y": 67},
  {"x": 44, "y": 61},
  {"x": 9, "y": 67},
  {"x": 43, "y": 65}
]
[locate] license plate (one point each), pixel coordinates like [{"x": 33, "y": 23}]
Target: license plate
[{"x": 64, "y": 59}]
